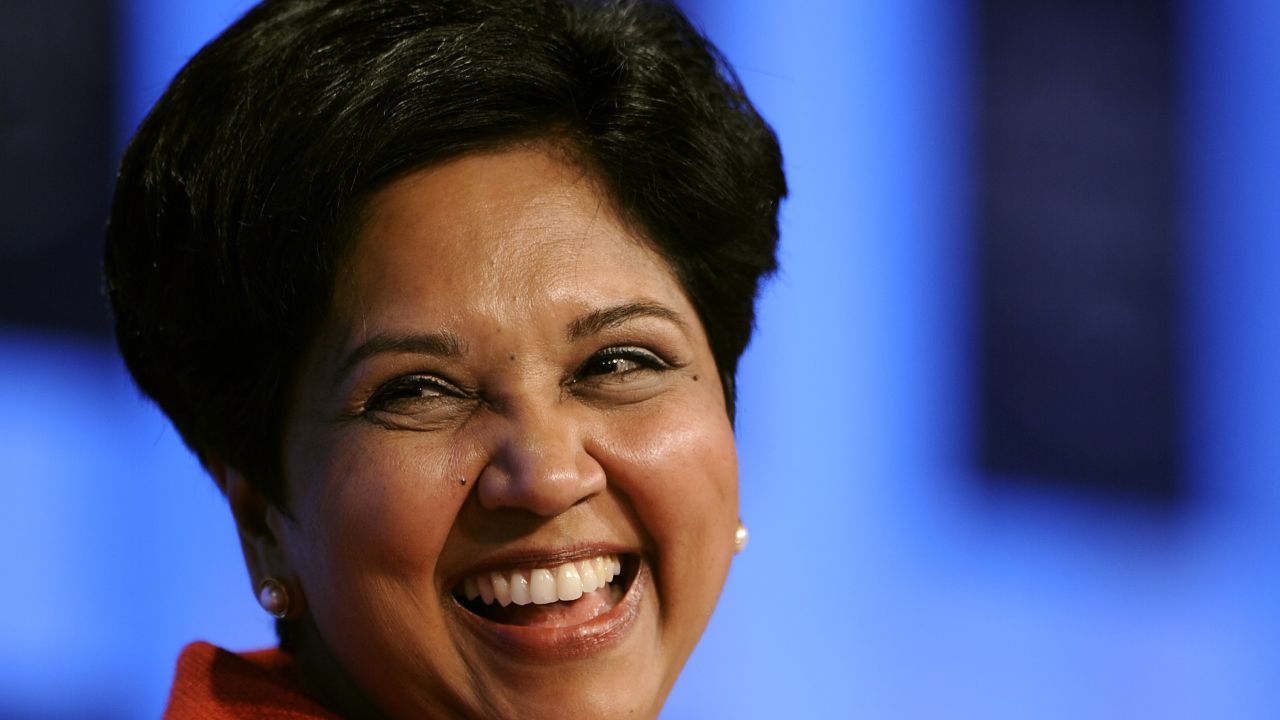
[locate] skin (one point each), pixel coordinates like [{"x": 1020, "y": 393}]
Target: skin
[{"x": 507, "y": 371}]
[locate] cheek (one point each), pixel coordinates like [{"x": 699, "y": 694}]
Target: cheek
[
  {"x": 682, "y": 481},
  {"x": 368, "y": 512}
]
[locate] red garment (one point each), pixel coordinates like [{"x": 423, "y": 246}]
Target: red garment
[{"x": 213, "y": 684}]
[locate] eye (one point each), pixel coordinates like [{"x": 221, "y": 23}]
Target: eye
[
  {"x": 616, "y": 363},
  {"x": 411, "y": 394}
]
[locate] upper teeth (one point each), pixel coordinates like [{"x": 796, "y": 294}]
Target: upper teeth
[{"x": 543, "y": 585}]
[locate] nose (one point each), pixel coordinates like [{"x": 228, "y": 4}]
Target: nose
[{"x": 540, "y": 464}]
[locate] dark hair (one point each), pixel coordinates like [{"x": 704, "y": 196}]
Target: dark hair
[{"x": 243, "y": 187}]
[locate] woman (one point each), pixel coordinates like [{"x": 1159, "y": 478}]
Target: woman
[{"x": 448, "y": 298}]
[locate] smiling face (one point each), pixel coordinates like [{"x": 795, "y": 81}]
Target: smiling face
[{"x": 511, "y": 400}]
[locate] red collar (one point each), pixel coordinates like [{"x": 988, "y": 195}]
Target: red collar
[{"x": 213, "y": 684}]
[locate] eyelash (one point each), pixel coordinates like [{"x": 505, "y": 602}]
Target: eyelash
[
  {"x": 641, "y": 359},
  {"x": 410, "y": 388}
]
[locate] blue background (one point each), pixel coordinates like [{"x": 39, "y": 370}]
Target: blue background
[{"x": 883, "y": 579}]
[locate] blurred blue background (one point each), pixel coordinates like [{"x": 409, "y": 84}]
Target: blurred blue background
[{"x": 887, "y": 577}]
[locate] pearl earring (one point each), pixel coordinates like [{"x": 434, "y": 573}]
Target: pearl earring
[
  {"x": 273, "y": 598},
  {"x": 740, "y": 538}
]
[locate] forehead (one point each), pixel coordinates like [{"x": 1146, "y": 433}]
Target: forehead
[{"x": 498, "y": 234}]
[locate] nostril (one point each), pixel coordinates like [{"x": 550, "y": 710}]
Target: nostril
[{"x": 539, "y": 461}]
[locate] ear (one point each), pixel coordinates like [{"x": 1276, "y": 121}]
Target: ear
[{"x": 261, "y": 526}]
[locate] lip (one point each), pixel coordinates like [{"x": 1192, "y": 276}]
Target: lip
[{"x": 560, "y": 643}]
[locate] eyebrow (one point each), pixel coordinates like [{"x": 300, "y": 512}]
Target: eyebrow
[
  {"x": 603, "y": 319},
  {"x": 440, "y": 344},
  {"x": 448, "y": 345}
]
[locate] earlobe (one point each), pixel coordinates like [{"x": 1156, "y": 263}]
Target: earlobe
[{"x": 260, "y": 525}]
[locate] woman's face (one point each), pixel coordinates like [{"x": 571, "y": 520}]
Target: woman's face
[{"x": 511, "y": 388}]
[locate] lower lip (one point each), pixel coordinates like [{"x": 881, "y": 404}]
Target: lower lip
[{"x": 558, "y": 643}]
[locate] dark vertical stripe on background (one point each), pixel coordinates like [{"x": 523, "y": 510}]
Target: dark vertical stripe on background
[
  {"x": 56, "y": 89},
  {"x": 1078, "y": 243}
]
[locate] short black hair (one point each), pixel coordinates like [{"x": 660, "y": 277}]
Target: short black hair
[{"x": 244, "y": 186}]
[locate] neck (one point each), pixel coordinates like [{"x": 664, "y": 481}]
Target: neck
[{"x": 324, "y": 678}]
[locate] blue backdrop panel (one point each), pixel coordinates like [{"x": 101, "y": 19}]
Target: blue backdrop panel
[
  {"x": 1079, "y": 243},
  {"x": 57, "y": 161}
]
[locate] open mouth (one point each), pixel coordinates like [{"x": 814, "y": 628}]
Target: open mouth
[{"x": 561, "y": 596}]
